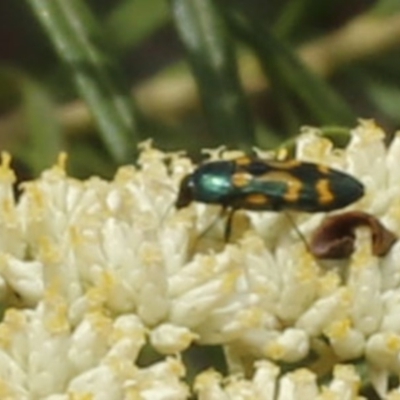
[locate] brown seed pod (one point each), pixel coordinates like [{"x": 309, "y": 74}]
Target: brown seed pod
[{"x": 336, "y": 235}]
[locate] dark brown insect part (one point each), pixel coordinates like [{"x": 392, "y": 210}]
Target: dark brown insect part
[{"x": 335, "y": 237}]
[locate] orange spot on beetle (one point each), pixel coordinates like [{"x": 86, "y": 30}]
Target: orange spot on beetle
[
  {"x": 257, "y": 199},
  {"x": 325, "y": 195},
  {"x": 293, "y": 192},
  {"x": 323, "y": 169},
  {"x": 243, "y": 161},
  {"x": 241, "y": 179},
  {"x": 289, "y": 164}
]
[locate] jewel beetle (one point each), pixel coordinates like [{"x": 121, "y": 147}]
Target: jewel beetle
[{"x": 268, "y": 185}]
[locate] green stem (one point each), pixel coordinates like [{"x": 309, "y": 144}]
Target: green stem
[
  {"x": 211, "y": 55},
  {"x": 76, "y": 36}
]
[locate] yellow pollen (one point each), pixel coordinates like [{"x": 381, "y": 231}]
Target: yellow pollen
[
  {"x": 76, "y": 236},
  {"x": 206, "y": 379},
  {"x": 346, "y": 296},
  {"x": 56, "y": 314},
  {"x": 327, "y": 394},
  {"x": 393, "y": 342},
  {"x": 346, "y": 372},
  {"x": 393, "y": 396},
  {"x": 230, "y": 281},
  {"x": 6, "y": 335},
  {"x": 6, "y": 173},
  {"x": 6, "y": 389},
  {"x": 338, "y": 329},
  {"x": 328, "y": 283},
  {"x": 5, "y": 160},
  {"x": 15, "y": 318},
  {"x": 34, "y": 193},
  {"x": 80, "y": 396},
  {"x": 252, "y": 318},
  {"x": 9, "y": 214},
  {"x": 62, "y": 160},
  {"x": 96, "y": 298},
  {"x": 125, "y": 174},
  {"x": 307, "y": 270},
  {"x": 274, "y": 350},
  {"x": 282, "y": 154},
  {"x": 176, "y": 367},
  {"x": 100, "y": 322},
  {"x": 150, "y": 255},
  {"x": 107, "y": 281},
  {"x": 49, "y": 251},
  {"x": 302, "y": 375}
]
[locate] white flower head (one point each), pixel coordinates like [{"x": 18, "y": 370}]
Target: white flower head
[{"x": 101, "y": 269}]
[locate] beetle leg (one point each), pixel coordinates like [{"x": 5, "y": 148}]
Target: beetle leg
[{"x": 228, "y": 226}]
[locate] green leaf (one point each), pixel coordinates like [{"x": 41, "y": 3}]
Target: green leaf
[
  {"x": 45, "y": 135},
  {"x": 291, "y": 17},
  {"x": 385, "y": 97},
  {"x": 86, "y": 160},
  {"x": 147, "y": 15},
  {"x": 37, "y": 134},
  {"x": 385, "y": 7},
  {"x": 266, "y": 137},
  {"x": 212, "y": 58},
  {"x": 287, "y": 73},
  {"x": 9, "y": 88},
  {"x": 77, "y": 37}
]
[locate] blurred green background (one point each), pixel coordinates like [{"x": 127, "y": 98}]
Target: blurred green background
[{"x": 96, "y": 77}]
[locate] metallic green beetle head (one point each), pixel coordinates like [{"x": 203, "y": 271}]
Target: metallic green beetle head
[{"x": 185, "y": 194}]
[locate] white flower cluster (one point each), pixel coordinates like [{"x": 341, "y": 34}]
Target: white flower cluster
[
  {"x": 300, "y": 384},
  {"x": 91, "y": 271}
]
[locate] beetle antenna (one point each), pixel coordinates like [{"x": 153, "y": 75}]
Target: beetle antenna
[
  {"x": 209, "y": 227},
  {"x": 298, "y": 231},
  {"x": 169, "y": 207},
  {"x": 165, "y": 213}
]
